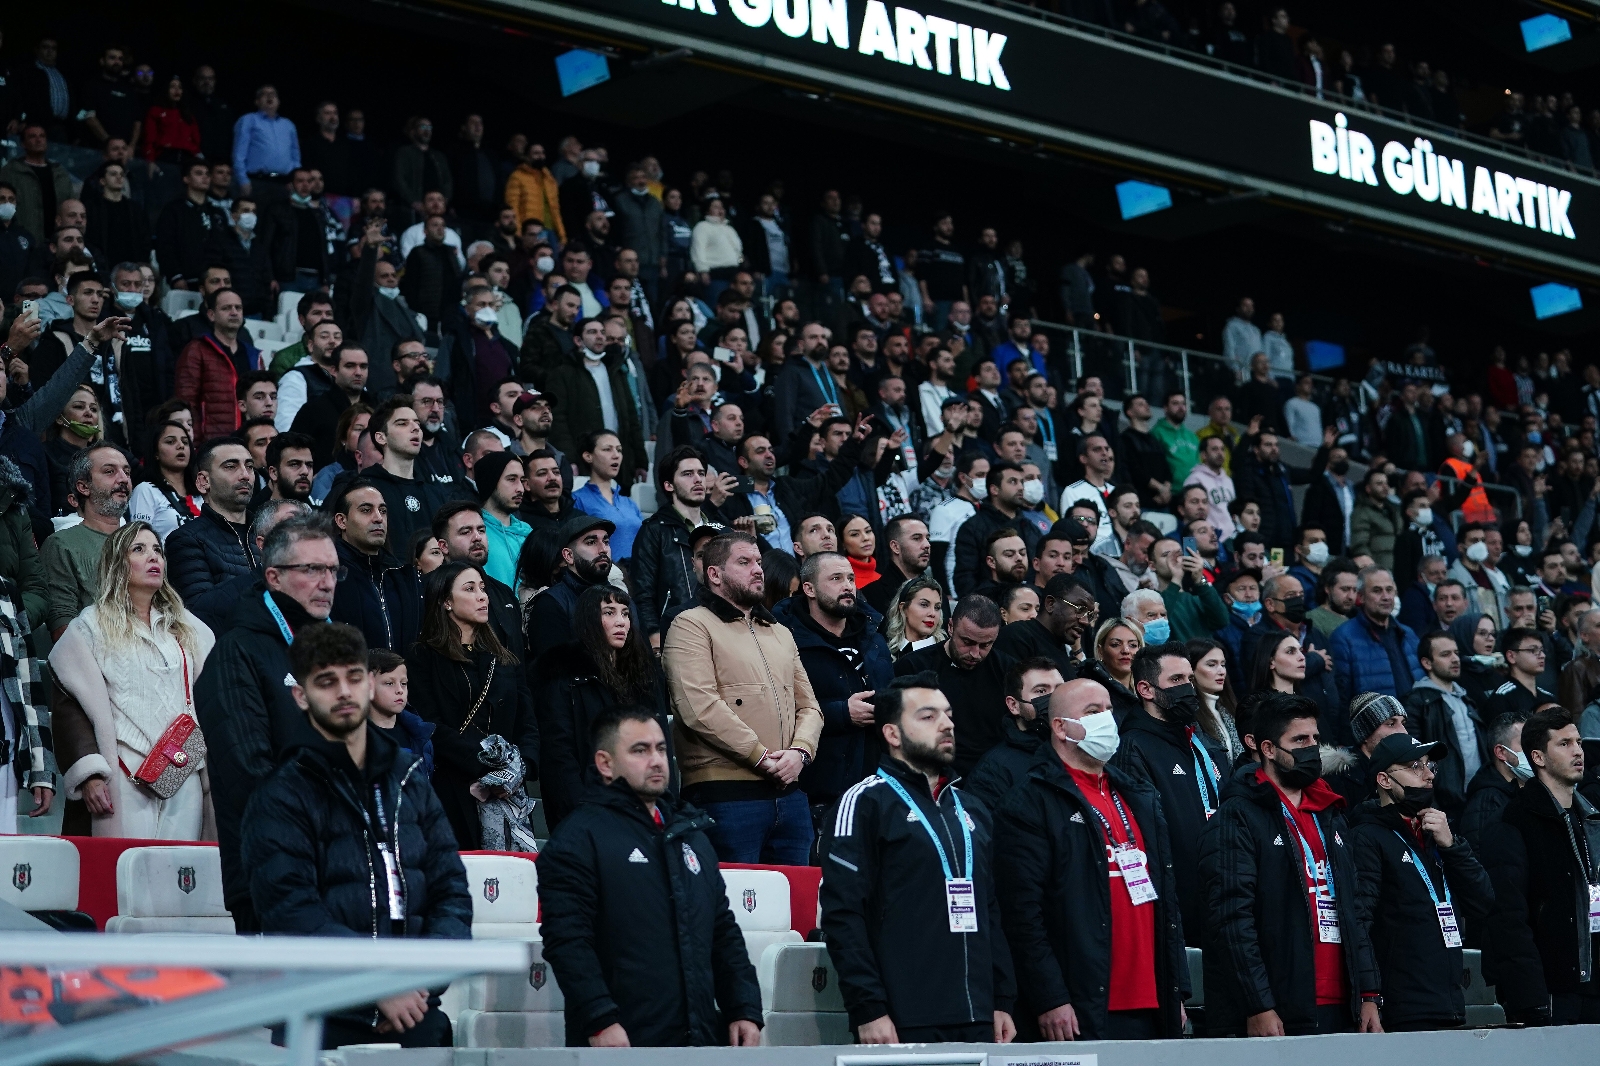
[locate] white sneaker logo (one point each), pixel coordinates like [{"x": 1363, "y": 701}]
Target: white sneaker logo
[{"x": 638, "y": 856}]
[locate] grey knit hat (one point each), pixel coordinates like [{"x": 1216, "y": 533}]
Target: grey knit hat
[{"x": 1369, "y": 710}]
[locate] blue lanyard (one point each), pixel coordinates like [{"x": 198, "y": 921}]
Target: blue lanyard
[
  {"x": 1047, "y": 425},
  {"x": 277, "y": 616},
  {"x": 1427, "y": 881},
  {"x": 1204, "y": 756},
  {"x": 1305, "y": 849},
  {"x": 961, "y": 816},
  {"x": 830, "y": 392}
]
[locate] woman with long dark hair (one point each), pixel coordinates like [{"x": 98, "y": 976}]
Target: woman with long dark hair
[
  {"x": 1218, "y": 703},
  {"x": 471, "y": 688},
  {"x": 610, "y": 664},
  {"x": 162, "y": 496}
]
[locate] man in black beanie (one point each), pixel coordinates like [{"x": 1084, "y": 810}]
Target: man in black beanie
[{"x": 501, "y": 483}]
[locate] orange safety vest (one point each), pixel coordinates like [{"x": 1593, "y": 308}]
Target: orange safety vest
[{"x": 1477, "y": 507}]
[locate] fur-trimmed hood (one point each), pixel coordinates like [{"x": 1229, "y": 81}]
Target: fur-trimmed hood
[
  {"x": 1337, "y": 760},
  {"x": 14, "y": 486}
]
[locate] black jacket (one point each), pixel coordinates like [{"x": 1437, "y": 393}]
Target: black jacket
[
  {"x": 1162, "y": 754},
  {"x": 1259, "y": 945},
  {"x": 380, "y": 597},
  {"x": 248, "y": 717},
  {"x": 1321, "y": 510},
  {"x": 412, "y": 501},
  {"x": 1538, "y": 941},
  {"x": 251, "y": 270},
  {"x": 1143, "y": 459},
  {"x": 182, "y": 232},
  {"x": 450, "y": 694},
  {"x": 971, "y": 571},
  {"x": 663, "y": 566},
  {"x": 203, "y": 555},
  {"x": 977, "y": 699},
  {"x": 1004, "y": 767},
  {"x": 647, "y": 942},
  {"x": 571, "y": 698},
  {"x": 798, "y": 494},
  {"x": 846, "y": 752},
  {"x": 1488, "y": 794},
  {"x": 1269, "y": 486},
  {"x": 885, "y": 914},
  {"x": 311, "y": 837},
  {"x": 1051, "y": 872},
  {"x": 1428, "y": 719},
  {"x": 549, "y": 617},
  {"x": 1422, "y": 977}
]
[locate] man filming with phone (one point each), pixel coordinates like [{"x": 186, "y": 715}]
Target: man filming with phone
[{"x": 775, "y": 501}]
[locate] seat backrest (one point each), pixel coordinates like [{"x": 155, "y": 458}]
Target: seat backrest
[
  {"x": 759, "y": 898},
  {"x": 1161, "y": 520},
  {"x": 38, "y": 873},
  {"x": 289, "y": 306},
  {"x": 643, "y": 496},
  {"x": 1197, "y": 977},
  {"x": 170, "y": 882},
  {"x": 505, "y": 888},
  {"x": 799, "y": 977},
  {"x": 179, "y": 300}
]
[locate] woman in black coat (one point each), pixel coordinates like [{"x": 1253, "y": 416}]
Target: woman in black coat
[
  {"x": 469, "y": 686},
  {"x": 609, "y": 665}
]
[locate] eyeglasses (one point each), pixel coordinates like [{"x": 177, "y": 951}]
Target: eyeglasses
[
  {"x": 315, "y": 570},
  {"x": 1420, "y": 766},
  {"x": 1531, "y": 649},
  {"x": 1083, "y": 609}
]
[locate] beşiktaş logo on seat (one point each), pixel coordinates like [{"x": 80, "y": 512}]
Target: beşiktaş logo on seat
[
  {"x": 910, "y": 38},
  {"x": 1417, "y": 170}
]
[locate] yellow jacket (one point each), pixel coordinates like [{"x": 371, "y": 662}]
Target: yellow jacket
[{"x": 532, "y": 193}]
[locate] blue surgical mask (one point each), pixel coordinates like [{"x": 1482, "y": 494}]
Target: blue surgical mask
[
  {"x": 129, "y": 301},
  {"x": 1521, "y": 769},
  {"x": 391, "y": 291},
  {"x": 1535, "y": 437},
  {"x": 295, "y": 197},
  {"x": 1248, "y": 610},
  {"x": 1157, "y": 631}
]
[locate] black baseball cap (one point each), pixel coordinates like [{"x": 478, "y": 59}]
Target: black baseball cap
[
  {"x": 707, "y": 529},
  {"x": 579, "y": 524},
  {"x": 1398, "y": 748}
]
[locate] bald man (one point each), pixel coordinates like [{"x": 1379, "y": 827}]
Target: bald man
[{"x": 1091, "y": 964}]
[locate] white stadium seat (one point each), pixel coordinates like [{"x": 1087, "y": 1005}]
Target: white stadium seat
[
  {"x": 262, "y": 331},
  {"x": 38, "y": 873},
  {"x": 512, "y": 1010},
  {"x": 505, "y": 897},
  {"x": 1161, "y": 520},
  {"x": 180, "y": 303},
  {"x": 760, "y": 903},
  {"x": 643, "y": 496},
  {"x": 800, "y": 998},
  {"x": 170, "y": 890},
  {"x": 1482, "y": 1010}
]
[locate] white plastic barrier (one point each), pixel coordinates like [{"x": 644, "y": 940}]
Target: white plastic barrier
[{"x": 175, "y": 889}]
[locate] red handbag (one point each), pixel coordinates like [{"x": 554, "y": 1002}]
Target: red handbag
[{"x": 177, "y": 752}]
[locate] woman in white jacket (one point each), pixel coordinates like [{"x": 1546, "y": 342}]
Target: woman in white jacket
[
  {"x": 163, "y": 500},
  {"x": 715, "y": 248},
  {"x": 131, "y": 659}
]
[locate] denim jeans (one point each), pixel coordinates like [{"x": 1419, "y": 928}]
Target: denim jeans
[{"x": 776, "y": 832}]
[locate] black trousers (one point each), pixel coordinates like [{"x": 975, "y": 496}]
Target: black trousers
[
  {"x": 433, "y": 1031},
  {"x": 1131, "y": 1025},
  {"x": 1574, "y": 1008},
  {"x": 976, "y": 1033}
]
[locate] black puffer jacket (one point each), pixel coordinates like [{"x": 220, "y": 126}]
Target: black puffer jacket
[
  {"x": 1428, "y": 719},
  {"x": 249, "y": 719},
  {"x": 1163, "y": 754},
  {"x": 311, "y": 836},
  {"x": 1422, "y": 977},
  {"x": 571, "y": 698},
  {"x": 1005, "y": 766},
  {"x": 1051, "y": 873},
  {"x": 637, "y": 926},
  {"x": 1538, "y": 941},
  {"x": 1259, "y": 946},
  {"x": 201, "y": 556},
  {"x": 378, "y": 596},
  {"x": 663, "y": 566},
  {"x": 971, "y": 571}
]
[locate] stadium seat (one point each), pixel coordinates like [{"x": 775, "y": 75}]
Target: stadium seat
[
  {"x": 493, "y": 1029},
  {"x": 800, "y": 998},
  {"x": 512, "y": 1010},
  {"x": 181, "y": 303},
  {"x": 644, "y": 497},
  {"x": 1482, "y": 1010},
  {"x": 1161, "y": 520},
  {"x": 579, "y": 481},
  {"x": 170, "y": 890},
  {"x": 39, "y": 873},
  {"x": 505, "y": 897},
  {"x": 289, "y": 306},
  {"x": 262, "y": 331},
  {"x": 1197, "y": 979},
  {"x": 760, "y": 903}
]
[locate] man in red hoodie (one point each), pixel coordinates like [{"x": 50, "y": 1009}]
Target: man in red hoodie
[{"x": 1284, "y": 954}]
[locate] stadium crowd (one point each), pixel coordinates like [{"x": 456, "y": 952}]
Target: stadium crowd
[{"x": 586, "y": 504}]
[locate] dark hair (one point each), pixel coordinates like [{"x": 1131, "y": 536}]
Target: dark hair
[
  {"x": 338, "y": 501},
  {"x": 384, "y": 661},
  {"x": 1516, "y": 635},
  {"x": 1261, "y": 665},
  {"x": 981, "y": 610},
  {"x": 630, "y": 672},
  {"x": 441, "y": 517},
  {"x": 419, "y": 539},
  {"x": 779, "y": 571},
  {"x": 1499, "y": 730},
  {"x": 1237, "y": 505},
  {"x": 1425, "y": 645},
  {"x": 667, "y": 465},
  {"x": 201, "y": 460},
  {"x": 1003, "y": 533},
  {"x": 540, "y": 558},
  {"x": 248, "y": 381},
  {"x": 1198, "y": 649},
  {"x": 439, "y": 630},
  {"x": 334, "y": 644},
  {"x": 1008, "y": 593},
  {"x": 722, "y": 545},
  {"x": 888, "y": 704},
  {"x": 967, "y": 460},
  {"x": 603, "y": 733},
  {"x": 1147, "y": 660},
  {"x": 284, "y": 441},
  {"x": 1539, "y": 725},
  {"x": 1240, "y": 540},
  {"x": 1021, "y": 667},
  {"x": 1270, "y": 718},
  {"x": 379, "y": 423}
]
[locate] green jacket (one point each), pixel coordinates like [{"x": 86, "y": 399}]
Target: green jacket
[
  {"x": 1183, "y": 447},
  {"x": 1196, "y": 614},
  {"x": 284, "y": 359},
  {"x": 1325, "y": 620},
  {"x": 1374, "y": 528},
  {"x": 19, "y": 558}
]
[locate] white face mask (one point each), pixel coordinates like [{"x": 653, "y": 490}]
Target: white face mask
[
  {"x": 544, "y": 264},
  {"x": 1317, "y": 554},
  {"x": 591, "y": 168},
  {"x": 1478, "y": 552},
  {"x": 247, "y": 221},
  {"x": 485, "y": 316},
  {"x": 1424, "y": 518},
  {"x": 7, "y": 212},
  {"x": 1468, "y": 450},
  {"x": 1101, "y": 739},
  {"x": 1523, "y": 550},
  {"x": 391, "y": 291},
  {"x": 980, "y": 488},
  {"x": 1521, "y": 768},
  {"x": 129, "y": 301},
  {"x": 1032, "y": 492}
]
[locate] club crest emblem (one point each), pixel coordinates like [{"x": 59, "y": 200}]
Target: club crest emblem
[
  {"x": 186, "y": 879},
  {"x": 819, "y": 979},
  {"x": 749, "y": 899},
  {"x": 692, "y": 861},
  {"x": 491, "y": 888},
  {"x": 537, "y": 976},
  {"x": 22, "y": 876},
  {"x": 413, "y": 505}
]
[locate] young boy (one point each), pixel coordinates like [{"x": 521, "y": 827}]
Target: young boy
[{"x": 389, "y": 691}]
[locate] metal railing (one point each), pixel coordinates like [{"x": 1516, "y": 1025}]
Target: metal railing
[{"x": 1210, "y": 62}]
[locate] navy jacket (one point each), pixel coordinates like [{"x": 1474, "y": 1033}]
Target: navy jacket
[
  {"x": 378, "y": 596},
  {"x": 1363, "y": 663}
]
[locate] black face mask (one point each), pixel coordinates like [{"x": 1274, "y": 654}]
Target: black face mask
[
  {"x": 1295, "y": 610},
  {"x": 1180, "y": 703},
  {"x": 1415, "y": 802},
  {"x": 1339, "y": 468},
  {"x": 1040, "y": 726},
  {"x": 1306, "y": 769}
]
